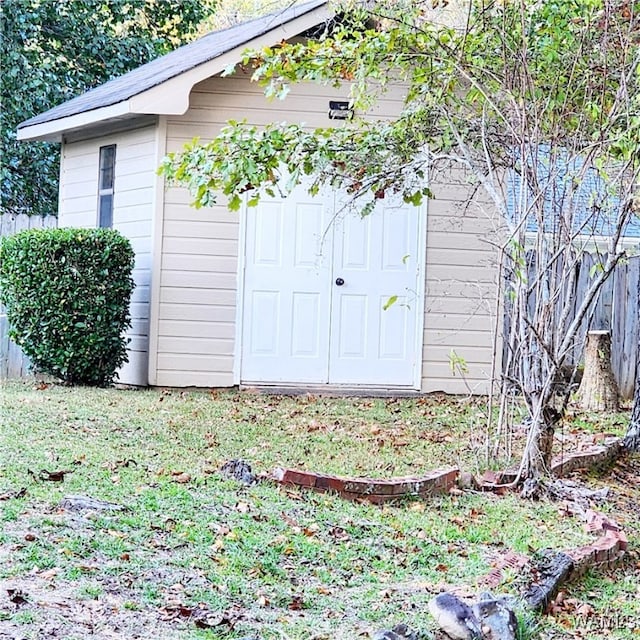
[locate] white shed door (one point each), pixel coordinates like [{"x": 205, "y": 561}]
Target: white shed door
[{"x": 316, "y": 282}]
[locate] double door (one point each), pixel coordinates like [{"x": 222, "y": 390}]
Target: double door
[{"x": 329, "y": 296}]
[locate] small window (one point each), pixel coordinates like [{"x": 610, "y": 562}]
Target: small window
[{"x": 105, "y": 185}]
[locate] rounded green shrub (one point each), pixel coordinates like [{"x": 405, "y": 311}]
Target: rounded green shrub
[{"x": 67, "y": 293}]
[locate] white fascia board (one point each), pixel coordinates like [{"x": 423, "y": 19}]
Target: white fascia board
[
  {"x": 52, "y": 131},
  {"x": 590, "y": 243},
  {"x": 172, "y": 96}
]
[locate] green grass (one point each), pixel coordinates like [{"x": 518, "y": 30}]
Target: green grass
[{"x": 275, "y": 561}]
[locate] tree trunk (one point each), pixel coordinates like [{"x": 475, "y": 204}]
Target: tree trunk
[
  {"x": 598, "y": 390},
  {"x": 536, "y": 459}
]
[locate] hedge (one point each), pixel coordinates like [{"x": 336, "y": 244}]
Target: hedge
[{"x": 67, "y": 294}]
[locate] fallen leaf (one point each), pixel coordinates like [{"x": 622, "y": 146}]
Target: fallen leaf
[
  {"x": 117, "y": 464},
  {"x": 87, "y": 568},
  {"x": 54, "y": 476},
  {"x": 585, "y": 610},
  {"x": 289, "y": 520},
  {"x": 17, "y": 596},
  {"x": 339, "y": 533},
  {"x": 48, "y": 574},
  {"x": 9, "y": 495},
  {"x": 116, "y": 534}
]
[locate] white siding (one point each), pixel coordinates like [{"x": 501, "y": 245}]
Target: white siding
[
  {"x": 198, "y": 286},
  {"x": 200, "y": 247},
  {"x": 460, "y": 304},
  {"x": 134, "y": 185}
]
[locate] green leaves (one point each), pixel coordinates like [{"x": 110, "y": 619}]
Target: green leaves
[
  {"x": 55, "y": 50},
  {"x": 245, "y": 160},
  {"x": 390, "y": 302},
  {"x": 520, "y": 76},
  {"x": 67, "y": 295}
]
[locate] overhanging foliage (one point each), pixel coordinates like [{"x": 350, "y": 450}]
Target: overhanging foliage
[
  {"x": 510, "y": 88},
  {"x": 55, "y": 50}
]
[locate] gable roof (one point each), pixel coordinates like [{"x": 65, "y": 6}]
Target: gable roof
[{"x": 102, "y": 102}]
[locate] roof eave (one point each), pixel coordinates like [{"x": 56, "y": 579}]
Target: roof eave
[
  {"x": 53, "y": 130},
  {"x": 170, "y": 97}
]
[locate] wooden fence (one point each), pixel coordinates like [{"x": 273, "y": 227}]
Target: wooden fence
[
  {"x": 615, "y": 310},
  {"x": 13, "y": 363}
]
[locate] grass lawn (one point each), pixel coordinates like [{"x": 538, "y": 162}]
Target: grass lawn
[{"x": 195, "y": 555}]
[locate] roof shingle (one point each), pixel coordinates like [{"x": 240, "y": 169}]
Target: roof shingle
[{"x": 172, "y": 64}]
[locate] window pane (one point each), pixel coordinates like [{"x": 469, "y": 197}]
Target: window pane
[
  {"x": 106, "y": 210},
  {"x": 107, "y": 164}
]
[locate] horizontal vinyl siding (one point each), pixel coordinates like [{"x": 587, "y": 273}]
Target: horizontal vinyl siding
[
  {"x": 134, "y": 185},
  {"x": 199, "y": 282},
  {"x": 196, "y": 327},
  {"x": 461, "y": 273}
]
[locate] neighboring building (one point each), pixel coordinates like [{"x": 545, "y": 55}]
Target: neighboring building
[{"x": 281, "y": 294}]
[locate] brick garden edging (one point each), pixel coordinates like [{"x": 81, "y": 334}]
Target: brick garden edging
[
  {"x": 372, "y": 489},
  {"x": 595, "y": 456},
  {"x": 561, "y": 567},
  {"x": 440, "y": 481},
  {"x": 606, "y": 551}
]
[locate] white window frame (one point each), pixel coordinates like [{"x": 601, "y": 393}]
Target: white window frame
[{"x": 106, "y": 191}]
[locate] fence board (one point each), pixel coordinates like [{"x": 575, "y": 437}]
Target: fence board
[
  {"x": 627, "y": 338},
  {"x": 13, "y": 363},
  {"x": 615, "y": 310}
]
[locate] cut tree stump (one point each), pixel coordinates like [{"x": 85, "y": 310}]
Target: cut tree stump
[{"x": 598, "y": 390}]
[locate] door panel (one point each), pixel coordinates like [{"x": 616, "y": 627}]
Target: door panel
[
  {"x": 355, "y": 245},
  {"x": 377, "y": 258},
  {"x": 266, "y": 313},
  {"x": 267, "y": 235},
  {"x": 285, "y": 338},
  {"x": 352, "y": 334},
  {"x": 306, "y": 333},
  {"x": 393, "y": 323},
  {"x": 316, "y": 287}
]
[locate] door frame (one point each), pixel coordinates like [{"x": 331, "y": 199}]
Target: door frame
[{"x": 421, "y": 211}]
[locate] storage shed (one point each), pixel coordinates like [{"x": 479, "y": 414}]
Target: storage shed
[{"x": 291, "y": 293}]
